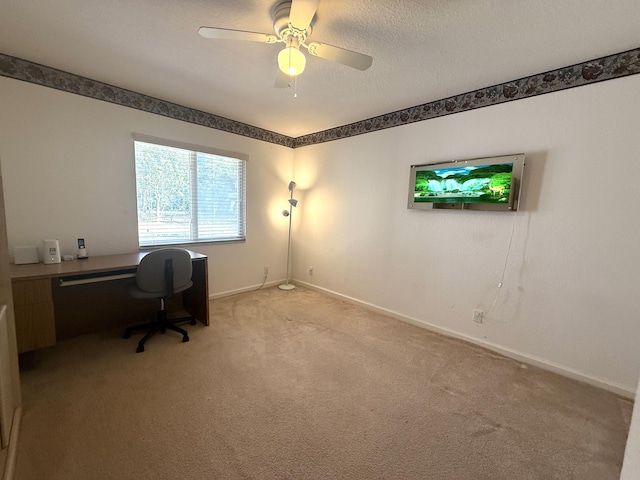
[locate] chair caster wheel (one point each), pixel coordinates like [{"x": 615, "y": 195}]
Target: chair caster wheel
[
  {"x": 192, "y": 322},
  {"x": 140, "y": 349},
  {"x": 185, "y": 339}
]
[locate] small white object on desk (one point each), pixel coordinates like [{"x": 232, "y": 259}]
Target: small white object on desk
[
  {"x": 82, "y": 250},
  {"x": 26, "y": 254},
  {"x": 50, "y": 251}
]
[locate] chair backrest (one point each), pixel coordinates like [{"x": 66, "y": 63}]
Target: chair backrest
[{"x": 164, "y": 272}]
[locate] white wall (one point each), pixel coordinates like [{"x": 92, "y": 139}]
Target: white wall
[
  {"x": 571, "y": 276},
  {"x": 68, "y": 170}
]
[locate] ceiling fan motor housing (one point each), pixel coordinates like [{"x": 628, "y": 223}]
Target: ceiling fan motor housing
[{"x": 282, "y": 27}]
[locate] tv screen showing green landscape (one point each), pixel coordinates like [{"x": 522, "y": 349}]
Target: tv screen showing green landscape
[
  {"x": 464, "y": 184},
  {"x": 480, "y": 184}
]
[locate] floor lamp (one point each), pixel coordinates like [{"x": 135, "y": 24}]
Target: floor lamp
[{"x": 288, "y": 213}]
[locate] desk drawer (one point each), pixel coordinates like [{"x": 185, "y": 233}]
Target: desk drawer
[
  {"x": 27, "y": 292},
  {"x": 35, "y": 326},
  {"x": 33, "y": 306}
]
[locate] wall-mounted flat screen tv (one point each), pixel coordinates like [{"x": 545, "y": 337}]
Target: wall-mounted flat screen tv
[{"x": 479, "y": 184}]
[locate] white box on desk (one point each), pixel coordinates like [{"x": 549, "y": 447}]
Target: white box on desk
[{"x": 26, "y": 254}]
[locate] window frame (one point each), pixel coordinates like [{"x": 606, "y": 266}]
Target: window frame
[{"x": 194, "y": 151}]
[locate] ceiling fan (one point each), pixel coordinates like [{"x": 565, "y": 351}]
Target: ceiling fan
[{"x": 292, "y": 26}]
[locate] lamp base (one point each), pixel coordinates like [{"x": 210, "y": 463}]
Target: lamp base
[{"x": 286, "y": 286}]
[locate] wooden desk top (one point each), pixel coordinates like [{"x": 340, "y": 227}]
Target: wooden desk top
[{"x": 101, "y": 263}]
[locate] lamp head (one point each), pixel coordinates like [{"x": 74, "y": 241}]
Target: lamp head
[
  {"x": 293, "y": 202},
  {"x": 292, "y": 185},
  {"x": 285, "y": 213}
]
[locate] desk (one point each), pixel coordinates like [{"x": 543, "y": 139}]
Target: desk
[{"x": 64, "y": 300}]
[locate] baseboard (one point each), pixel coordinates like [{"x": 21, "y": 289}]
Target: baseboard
[
  {"x": 238, "y": 291},
  {"x": 12, "y": 449},
  {"x": 507, "y": 352}
]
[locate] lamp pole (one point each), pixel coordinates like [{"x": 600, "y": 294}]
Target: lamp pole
[{"x": 292, "y": 203}]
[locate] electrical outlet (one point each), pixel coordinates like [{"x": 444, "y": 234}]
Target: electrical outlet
[
  {"x": 266, "y": 270},
  {"x": 310, "y": 270},
  {"x": 478, "y": 315}
]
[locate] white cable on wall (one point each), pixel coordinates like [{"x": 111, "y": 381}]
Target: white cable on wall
[{"x": 504, "y": 266}]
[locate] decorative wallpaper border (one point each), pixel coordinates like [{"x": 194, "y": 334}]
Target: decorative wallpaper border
[
  {"x": 20, "y": 69},
  {"x": 605, "y": 68}
]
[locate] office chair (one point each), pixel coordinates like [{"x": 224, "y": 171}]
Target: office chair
[{"x": 162, "y": 273}]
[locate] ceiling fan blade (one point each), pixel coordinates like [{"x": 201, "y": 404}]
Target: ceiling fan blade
[
  {"x": 227, "y": 34},
  {"x": 356, "y": 60},
  {"x": 282, "y": 80},
  {"x": 302, "y": 12}
]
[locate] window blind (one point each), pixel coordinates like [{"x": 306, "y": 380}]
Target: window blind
[{"x": 188, "y": 196}]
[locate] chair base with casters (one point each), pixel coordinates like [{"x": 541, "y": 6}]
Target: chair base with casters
[
  {"x": 161, "y": 274},
  {"x": 162, "y": 324}
]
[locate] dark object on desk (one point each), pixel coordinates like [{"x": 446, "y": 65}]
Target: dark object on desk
[{"x": 162, "y": 273}]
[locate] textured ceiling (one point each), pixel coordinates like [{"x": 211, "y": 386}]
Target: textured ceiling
[{"x": 423, "y": 50}]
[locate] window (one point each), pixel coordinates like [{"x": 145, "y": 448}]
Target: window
[{"x": 187, "y": 195}]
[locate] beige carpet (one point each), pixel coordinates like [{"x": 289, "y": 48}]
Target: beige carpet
[{"x": 298, "y": 385}]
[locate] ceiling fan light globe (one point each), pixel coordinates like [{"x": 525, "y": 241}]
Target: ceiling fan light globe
[{"x": 291, "y": 61}]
